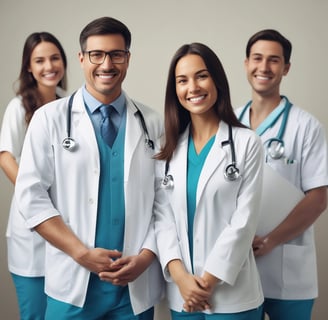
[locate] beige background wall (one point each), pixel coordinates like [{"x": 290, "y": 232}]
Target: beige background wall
[{"x": 158, "y": 29}]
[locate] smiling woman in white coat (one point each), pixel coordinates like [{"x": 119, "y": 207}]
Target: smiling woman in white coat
[
  {"x": 208, "y": 189},
  {"x": 42, "y": 79}
]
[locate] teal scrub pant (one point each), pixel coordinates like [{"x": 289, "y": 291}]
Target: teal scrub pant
[
  {"x": 103, "y": 302},
  {"x": 288, "y": 309},
  {"x": 31, "y": 298},
  {"x": 254, "y": 314}
]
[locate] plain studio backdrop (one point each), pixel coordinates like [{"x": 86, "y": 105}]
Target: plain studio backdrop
[{"x": 158, "y": 28}]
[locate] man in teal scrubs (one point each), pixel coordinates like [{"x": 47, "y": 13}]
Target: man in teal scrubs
[
  {"x": 93, "y": 202},
  {"x": 286, "y": 253}
]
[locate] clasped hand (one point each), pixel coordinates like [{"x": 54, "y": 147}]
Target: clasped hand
[
  {"x": 110, "y": 266},
  {"x": 195, "y": 291}
]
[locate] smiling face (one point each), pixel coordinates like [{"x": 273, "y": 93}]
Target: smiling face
[
  {"x": 195, "y": 88},
  {"x": 265, "y": 67},
  {"x": 104, "y": 81},
  {"x": 46, "y": 65}
]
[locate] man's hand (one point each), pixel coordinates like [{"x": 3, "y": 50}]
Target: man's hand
[
  {"x": 127, "y": 269},
  {"x": 262, "y": 246},
  {"x": 97, "y": 260}
]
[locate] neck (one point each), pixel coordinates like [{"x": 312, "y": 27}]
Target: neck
[
  {"x": 261, "y": 107},
  {"x": 202, "y": 129},
  {"x": 48, "y": 94}
]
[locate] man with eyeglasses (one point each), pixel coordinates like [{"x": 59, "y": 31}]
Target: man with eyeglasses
[{"x": 93, "y": 203}]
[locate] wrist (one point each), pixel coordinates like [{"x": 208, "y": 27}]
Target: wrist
[{"x": 79, "y": 254}]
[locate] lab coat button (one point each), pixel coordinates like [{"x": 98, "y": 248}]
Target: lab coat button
[{"x": 91, "y": 201}]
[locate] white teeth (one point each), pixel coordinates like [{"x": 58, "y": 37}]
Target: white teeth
[
  {"x": 262, "y": 78},
  {"x": 50, "y": 75},
  {"x": 105, "y": 76},
  {"x": 196, "y": 99}
]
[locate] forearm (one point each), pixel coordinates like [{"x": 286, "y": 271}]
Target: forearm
[
  {"x": 56, "y": 232},
  {"x": 147, "y": 257},
  {"x": 176, "y": 270},
  {"x": 9, "y": 165}
]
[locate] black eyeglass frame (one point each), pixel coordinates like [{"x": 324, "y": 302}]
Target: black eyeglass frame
[{"x": 107, "y": 53}]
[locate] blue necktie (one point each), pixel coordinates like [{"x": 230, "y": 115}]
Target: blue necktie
[{"x": 108, "y": 130}]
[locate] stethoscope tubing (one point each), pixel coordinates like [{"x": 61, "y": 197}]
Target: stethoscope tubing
[
  {"x": 275, "y": 146},
  {"x": 70, "y": 144},
  {"x": 231, "y": 172}
]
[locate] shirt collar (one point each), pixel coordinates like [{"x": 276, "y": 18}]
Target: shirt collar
[{"x": 93, "y": 104}]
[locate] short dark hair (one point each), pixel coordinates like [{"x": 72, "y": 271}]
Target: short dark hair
[
  {"x": 103, "y": 26},
  {"x": 271, "y": 35}
]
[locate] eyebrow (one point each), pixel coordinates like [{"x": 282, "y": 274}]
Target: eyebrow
[
  {"x": 198, "y": 72},
  {"x": 43, "y": 57},
  {"x": 261, "y": 55}
]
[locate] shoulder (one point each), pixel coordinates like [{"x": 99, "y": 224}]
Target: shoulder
[
  {"x": 247, "y": 140},
  {"x": 300, "y": 114},
  {"x": 145, "y": 109},
  {"x": 304, "y": 123},
  {"x": 151, "y": 116},
  {"x": 244, "y": 133},
  {"x": 15, "y": 109},
  {"x": 15, "y": 105}
]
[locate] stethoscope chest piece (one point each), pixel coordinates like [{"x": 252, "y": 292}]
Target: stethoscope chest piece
[
  {"x": 276, "y": 149},
  {"x": 69, "y": 144},
  {"x": 168, "y": 182},
  {"x": 231, "y": 173}
]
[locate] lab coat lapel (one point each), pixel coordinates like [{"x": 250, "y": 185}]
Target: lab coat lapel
[
  {"x": 81, "y": 123},
  {"x": 178, "y": 169},
  {"x": 132, "y": 135},
  {"x": 214, "y": 159}
]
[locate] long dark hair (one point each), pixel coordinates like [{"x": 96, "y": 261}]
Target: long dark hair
[
  {"x": 28, "y": 87},
  {"x": 177, "y": 118}
]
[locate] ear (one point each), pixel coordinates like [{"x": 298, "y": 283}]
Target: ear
[
  {"x": 286, "y": 69},
  {"x": 81, "y": 57},
  {"x": 246, "y": 63},
  {"x": 128, "y": 58}
]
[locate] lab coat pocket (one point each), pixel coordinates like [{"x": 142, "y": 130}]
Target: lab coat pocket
[
  {"x": 287, "y": 168},
  {"x": 59, "y": 270},
  {"x": 299, "y": 267},
  {"x": 26, "y": 252}
]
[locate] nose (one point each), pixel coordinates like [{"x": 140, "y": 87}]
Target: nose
[
  {"x": 108, "y": 60},
  {"x": 193, "y": 86},
  {"x": 264, "y": 66},
  {"x": 48, "y": 64}
]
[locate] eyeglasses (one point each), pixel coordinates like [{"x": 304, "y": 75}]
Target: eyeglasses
[{"x": 98, "y": 56}]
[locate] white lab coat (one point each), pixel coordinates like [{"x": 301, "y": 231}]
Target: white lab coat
[
  {"x": 224, "y": 225},
  {"x": 290, "y": 270},
  {"x": 26, "y": 249},
  {"x": 53, "y": 181}
]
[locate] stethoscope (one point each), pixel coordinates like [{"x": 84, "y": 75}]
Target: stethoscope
[
  {"x": 231, "y": 172},
  {"x": 275, "y": 146},
  {"x": 70, "y": 144}
]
